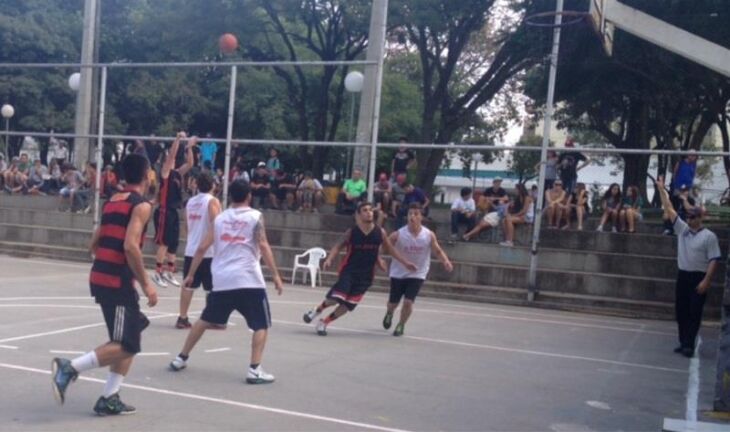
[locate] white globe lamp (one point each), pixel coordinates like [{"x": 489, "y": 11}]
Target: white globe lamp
[
  {"x": 354, "y": 81},
  {"x": 74, "y": 81},
  {"x": 7, "y": 111}
]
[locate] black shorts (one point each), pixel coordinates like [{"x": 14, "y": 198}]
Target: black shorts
[
  {"x": 167, "y": 228},
  {"x": 202, "y": 275},
  {"x": 404, "y": 287},
  {"x": 253, "y": 304},
  {"x": 350, "y": 289},
  {"x": 125, "y": 324}
]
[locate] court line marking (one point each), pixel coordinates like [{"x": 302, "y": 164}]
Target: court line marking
[
  {"x": 153, "y": 354},
  {"x": 220, "y": 401},
  {"x": 65, "y": 352},
  {"x": 505, "y": 349},
  {"x": 12, "y": 347},
  {"x": 215, "y": 350},
  {"x": 693, "y": 387}
]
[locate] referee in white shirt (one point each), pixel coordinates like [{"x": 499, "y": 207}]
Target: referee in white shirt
[{"x": 698, "y": 252}]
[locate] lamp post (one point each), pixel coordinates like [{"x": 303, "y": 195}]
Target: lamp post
[
  {"x": 7, "y": 112},
  {"x": 477, "y": 158},
  {"x": 353, "y": 84}
]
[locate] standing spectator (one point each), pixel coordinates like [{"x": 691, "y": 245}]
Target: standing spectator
[
  {"x": 260, "y": 186},
  {"x": 398, "y": 193},
  {"x": 698, "y": 252},
  {"x": 273, "y": 163},
  {"x": 382, "y": 193},
  {"x": 522, "y": 211},
  {"x": 631, "y": 211},
  {"x": 140, "y": 149},
  {"x": 683, "y": 177},
  {"x": 463, "y": 211},
  {"x": 309, "y": 193},
  {"x": 568, "y": 164},
  {"x": 208, "y": 151},
  {"x": 413, "y": 195},
  {"x": 31, "y": 148},
  {"x": 494, "y": 199},
  {"x": 551, "y": 169},
  {"x": 53, "y": 145},
  {"x": 154, "y": 150},
  {"x": 611, "y": 203},
  {"x": 353, "y": 191},
  {"x": 403, "y": 159},
  {"x": 554, "y": 202},
  {"x": 239, "y": 173},
  {"x": 283, "y": 189}
]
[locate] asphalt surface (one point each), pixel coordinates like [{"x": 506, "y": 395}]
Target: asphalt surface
[{"x": 460, "y": 366}]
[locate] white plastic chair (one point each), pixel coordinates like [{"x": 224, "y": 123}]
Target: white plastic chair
[{"x": 314, "y": 255}]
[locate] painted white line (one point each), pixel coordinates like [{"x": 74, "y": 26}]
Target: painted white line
[
  {"x": 65, "y": 352},
  {"x": 4, "y": 305},
  {"x": 599, "y": 405},
  {"x": 215, "y": 350},
  {"x": 505, "y": 349},
  {"x": 693, "y": 386},
  {"x": 45, "y": 276},
  {"x": 153, "y": 354},
  {"x": 9, "y": 347},
  {"x": 221, "y": 401}
]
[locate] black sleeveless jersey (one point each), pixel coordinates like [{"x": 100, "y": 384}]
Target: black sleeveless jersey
[
  {"x": 171, "y": 191},
  {"x": 362, "y": 251}
]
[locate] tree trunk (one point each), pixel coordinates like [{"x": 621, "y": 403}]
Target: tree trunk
[{"x": 635, "y": 170}]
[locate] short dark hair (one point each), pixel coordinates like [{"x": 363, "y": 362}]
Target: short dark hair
[
  {"x": 204, "y": 181},
  {"x": 403, "y": 138},
  {"x": 465, "y": 191},
  {"x": 417, "y": 206},
  {"x": 135, "y": 168},
  {"x": 239, "y": 191},
  {"x": 363, "y": 204}
]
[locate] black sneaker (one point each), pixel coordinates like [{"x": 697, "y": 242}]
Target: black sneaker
[
  {"x": 399, "y": 330},
  {"x": 688, "y": 352},
  {"x": 387, "y": 321},
  {"x": 62, "y": 374},
  {"x": 679, "y": 349},
  {"x": 183, "y": 323},
  {"x": 113, "y": 405}
]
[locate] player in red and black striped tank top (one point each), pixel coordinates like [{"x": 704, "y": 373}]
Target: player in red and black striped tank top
[{"x": 117, "y": 246}]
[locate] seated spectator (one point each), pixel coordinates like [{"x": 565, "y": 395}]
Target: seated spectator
[
  {"x": 398, "y": 193},
  {"x": 555, "y": 199},
  {"x": 463, "y": 212},
  {"x": 611, "y": 203},
  {"x": 37, "y": 180},
  {"x": 109, "y": 182},
  {"x": 353, "y": 191},
  {"x": 310, "y": 193},
  {"x": 239, "y": 173},
  {"x": 71, "y": 180},
  {"x": 534, "y": 192},
  {"x": 577, "y": 205},
  {"x": 631, "y": 212},
  {"x": 3, "y": 168},
  {"x": 382, "y": 196},
  {"x": 55, "y": 173},
  {"x": 85, "y": 193},
  {"x": 494, "y": 198},
  {"x": 24, "y": 165},
  {"x": 490, "y": 220},
  {"x": 283, "y": 190},
  {"x": 14, "y": 180},
  {"x": 260, "y": 186},
  {"x": 413, "y": 195},
  {"x": 521, "y": 211}
]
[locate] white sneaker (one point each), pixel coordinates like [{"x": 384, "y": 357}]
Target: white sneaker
[
  {"x": 168, "y": 276},
  {"x": 600, "y": 228},
  {"x": 507, "y": 243},
  {"x": 178, "y": 364},
  {"x": 614, "y": 230},
  {"x": 310, "y": 315},
  {"x": 321, "y": 328},
  {"x": 159, "y": 280},
  {"x": 259, "y": 376}
]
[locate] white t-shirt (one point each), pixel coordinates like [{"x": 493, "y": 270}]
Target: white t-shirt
[
  {"x": 236, "y": 261},
  {"x": 416, "y": 249},
  {"x": 467, "y": 205},
  {"x": 198, "y": 223},
  {"x": 695, "y": 250}
]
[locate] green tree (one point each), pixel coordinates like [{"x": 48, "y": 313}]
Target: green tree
[{"x": 524, "y": 164}]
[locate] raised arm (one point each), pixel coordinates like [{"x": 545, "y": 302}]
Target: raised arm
[
  {"x": 267, "y": 254},
  {"x": 169, "y": 163},
  {"x": 189, "y": 158},
  {"x": 669, "y": 212},
  {"x": 133, "y": 252}
]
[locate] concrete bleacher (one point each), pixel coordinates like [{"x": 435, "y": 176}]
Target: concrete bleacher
[{"x": 617, "y": 274}]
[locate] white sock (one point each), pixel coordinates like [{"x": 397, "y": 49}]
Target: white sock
[
  {"x": 113, "y": 382},
  {"x": 85, "y": 362}
]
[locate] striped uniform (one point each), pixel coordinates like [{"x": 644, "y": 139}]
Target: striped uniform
[
  {"x": 111, "y": 280},
  {"x": 358, "y": 269}
]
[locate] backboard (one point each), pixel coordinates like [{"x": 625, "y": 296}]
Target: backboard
[{"x": 603, "y": 28}]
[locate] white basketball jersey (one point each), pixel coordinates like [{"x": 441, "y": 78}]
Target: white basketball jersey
[
  {"x": 416, "y": 249},
  {"x": 236, "y": 262},
  {"x": 198, "y": 223}
]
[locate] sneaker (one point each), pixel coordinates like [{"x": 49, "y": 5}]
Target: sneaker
[
  {"x": 178, "y": 364},
  {"x": 387, "y": 320},
  {"x": 259, "y": 376},
  {"x": 310, "y": 315},
  {"x": 679, "y": 349},
  {"x": 668, "y": 232},
  {"x": 63, "y": 374},
  {"x": 159, "y": 280},
  {"x": 688, "y": 352},
  {"x": 399, "y": 330},
  {"x": 321, "y": 328},
  {"x": 113, "y": 406},
  {"x": 614, "y": 230},
  {"x": 183, "y": 323},
  {"x": 507, "y": 243},
  {"x": 169, "y": 277},
  {"x": 599, "y": 228}
]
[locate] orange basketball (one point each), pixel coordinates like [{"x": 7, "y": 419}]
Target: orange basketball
[{"x": 228, "y": 43}]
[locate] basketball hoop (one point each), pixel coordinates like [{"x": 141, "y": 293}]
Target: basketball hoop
[{"x": 538, "y": 19}]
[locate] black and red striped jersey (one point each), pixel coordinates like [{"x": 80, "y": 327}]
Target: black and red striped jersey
[
  {"x": 111, "y": 279},
  {"x": 362, "y": 251}
]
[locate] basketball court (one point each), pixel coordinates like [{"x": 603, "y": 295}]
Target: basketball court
[{"x": 460, "y": 366}]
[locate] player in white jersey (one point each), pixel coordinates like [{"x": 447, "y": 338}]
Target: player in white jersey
[
  {"x": 200, "y": 212},
  {"x": 239, "y": 242},
  {"x": 415, "y": 243}
]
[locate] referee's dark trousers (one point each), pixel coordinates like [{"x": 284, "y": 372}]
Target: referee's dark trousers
[{"x": 688, "y": 306}]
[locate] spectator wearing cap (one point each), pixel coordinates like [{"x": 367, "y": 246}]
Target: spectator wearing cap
[
  {"x": 403, "y": 160},
  {"x": 353, "y": 191},
  {"x": 463, "y": 212},
  {"x": 310, "y": 193},
  {"x": 569, "y": 163},
  {"x": 382, "y": 194},
  {"x": 698, "y": 253},
  {"x": 283, "y": 189},
  {"x": 494, "y": 198},
  {"x": 260, "y": 186},
  {"x": 413, "y": 194}
]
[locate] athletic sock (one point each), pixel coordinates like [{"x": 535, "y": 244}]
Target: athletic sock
[
  {"x": 113, "y": 383},
  {"x": 254, "y": 365},
  {"x": 159, "y": 267},
  {"x": 184, "y": 356},
  {"x": 171, "y": 266},
  {"x": 322, "y": 307},
  {"x": 331, "y": 317},
  {"x": 85, "y": 362}
]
